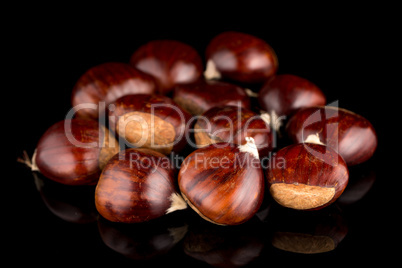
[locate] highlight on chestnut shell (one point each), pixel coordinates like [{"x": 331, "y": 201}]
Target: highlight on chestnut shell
[
  {"x": 196, "y": 98},
  {"x": 150, "y": 121},
  {"x": 348, "y": 133},
  {"x": 137, "y": 185},
  {"x": 74, "y": 151},
  {"x": 233, "y": 124},
  {"x": 223, "y": 182},
  {"x": 309, "y": 177},
  {"x": 106, "y": 83},
  {"x": 240, "y": 57},
  {"x": 170, "y": 62}
]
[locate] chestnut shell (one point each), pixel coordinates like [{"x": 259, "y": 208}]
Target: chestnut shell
[
  {"x": 223, "y": 184},
  {"x": 170, "y": 62},
  {"x": 106, "y": 83},
  {"x": 350, "y": 134},
  {"x": 242, "y": 57}
]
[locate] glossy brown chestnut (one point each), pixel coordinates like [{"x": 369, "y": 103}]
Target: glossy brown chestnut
[
  {"x": 240, "y": 57},
  {"x": 74, "y": 151},
  {"x": 307, "y": 176},
  {"x": 137, "y": 185},
  {"x": 233, "y": 124},
  {"x": 284, "y": 94},
  {"x": 350, "y": 134},
  {"x": 223, "y": 182},
  {"x": 197, "y": 98},
  {"x": 106, "y": 83},
  {"x": 170, "y": 62},
  {"x": 150, "y": 121}
]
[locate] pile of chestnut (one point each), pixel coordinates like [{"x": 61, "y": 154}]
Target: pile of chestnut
[{"x": 130, "y": 121}]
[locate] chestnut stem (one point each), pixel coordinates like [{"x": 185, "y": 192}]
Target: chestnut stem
[
  {"x": 249, "y": 147},
  {"x": 313, "y": 138},
  {"x": 29, "y": 162},
  {"x": 177, "y": 203},
  {"x": 251, "y": 93},
  {"x": 273, "y": 120},
  {"x": 211, "y": 72}
]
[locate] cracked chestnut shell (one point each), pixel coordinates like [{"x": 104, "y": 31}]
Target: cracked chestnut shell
[
  {"x": 137, "y": 185},
  {"x": 223, "y": 183},
  {"x": 150, "y": 121},
  {"x": 106, "y": 83},
  {"x": 170, "y": 62},
  {"x": 196, "y": 98},
  {"x": 306, "y": 176},
  {"x": 240, "y": 57},
  {"x": 233, "y": 124},
  {"x": 348, "y": 133},
  {"x": 74, "y": 151}
]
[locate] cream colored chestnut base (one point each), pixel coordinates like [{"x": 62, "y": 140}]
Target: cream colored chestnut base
[{"x": 301, "y": 196}]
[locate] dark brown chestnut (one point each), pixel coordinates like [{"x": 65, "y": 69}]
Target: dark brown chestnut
[
  {"x": 74, "y": 151},
  {"x": 240, "y": 57},
  {"x": 284, "y": 94},
  {"x": 350, "y": 134},
  {"x": 150, "y": 121},
  {"x": 223, "y": 182},
  {"x": 233, "y": 124},
  {"x": 197, "y": 98},
  {"x": 106, "y": 83},
  {"x": 137, "y": 185},
  {"x": 307, "y": 176},
  {"x": 170, "y": 62}
]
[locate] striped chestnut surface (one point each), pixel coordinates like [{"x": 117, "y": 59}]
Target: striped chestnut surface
[
  {"x": 150, "y": 121},
  {"x": 240, "y": 57},
  {"x": 284, "y": 94},
  {"x": 223, "y": 183},
  {"x": 137, "y": 185},
  {"x": 74, "y": 151},
  {"x": 348, "y": 133},
  {"x": 197, "y": 98},
  {"x": 233, "y": 124},
  {"x": 106, "y": 83},
  {"x": 170, "y": 62},
  {"x": 307, "y": 176}
]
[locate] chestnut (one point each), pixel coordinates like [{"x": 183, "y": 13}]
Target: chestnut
[
  {"x": 307, "y": 176},
  {"x": 137, "y": 185},
  {"x": 284, "y": 94},
  {"x": 197, "y": 98},
  {"x": 240, "y": 57},
  {"x": 170, "y": 62},
  {"x": 233, "y": 124},
  {"x": 106, "y": 83},
  {"x": 74, "y": 151},
  {"x": 223, "y": 182},
  {"x": 348, "y": 133},
  {"x": 150, "y": 121}
]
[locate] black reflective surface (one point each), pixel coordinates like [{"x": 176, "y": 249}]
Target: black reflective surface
[{"x": 52, "y": 224}]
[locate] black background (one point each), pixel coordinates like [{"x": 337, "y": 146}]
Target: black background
[{"x": 348, "y": 53}]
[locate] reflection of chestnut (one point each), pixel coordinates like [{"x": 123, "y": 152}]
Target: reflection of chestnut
[
  {"x": 234, "y": 246},
  {"x": 142, "y": 241},
  {"x": 70, "y": 203},
  {"x": 307, "y": 232}
]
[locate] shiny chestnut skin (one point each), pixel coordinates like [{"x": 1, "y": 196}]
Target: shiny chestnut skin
[
  {"x": 197, "y": 98},
  {"x": 350, "y": 134},
  {"x": 233, "y": 124},
  {"x": 75, "y": 155},
  {"x": 106, "y": 83},
  {"x": 307, "y": 176},
  {"x": 241, "y": 57},
  {"x": 156, "y": 119},
  {"x": 170, "y": 62},
  {"x": 284, "y": 94},
  {"x": 222, "y": 183},
  {"x": 136, "y": 185}
]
